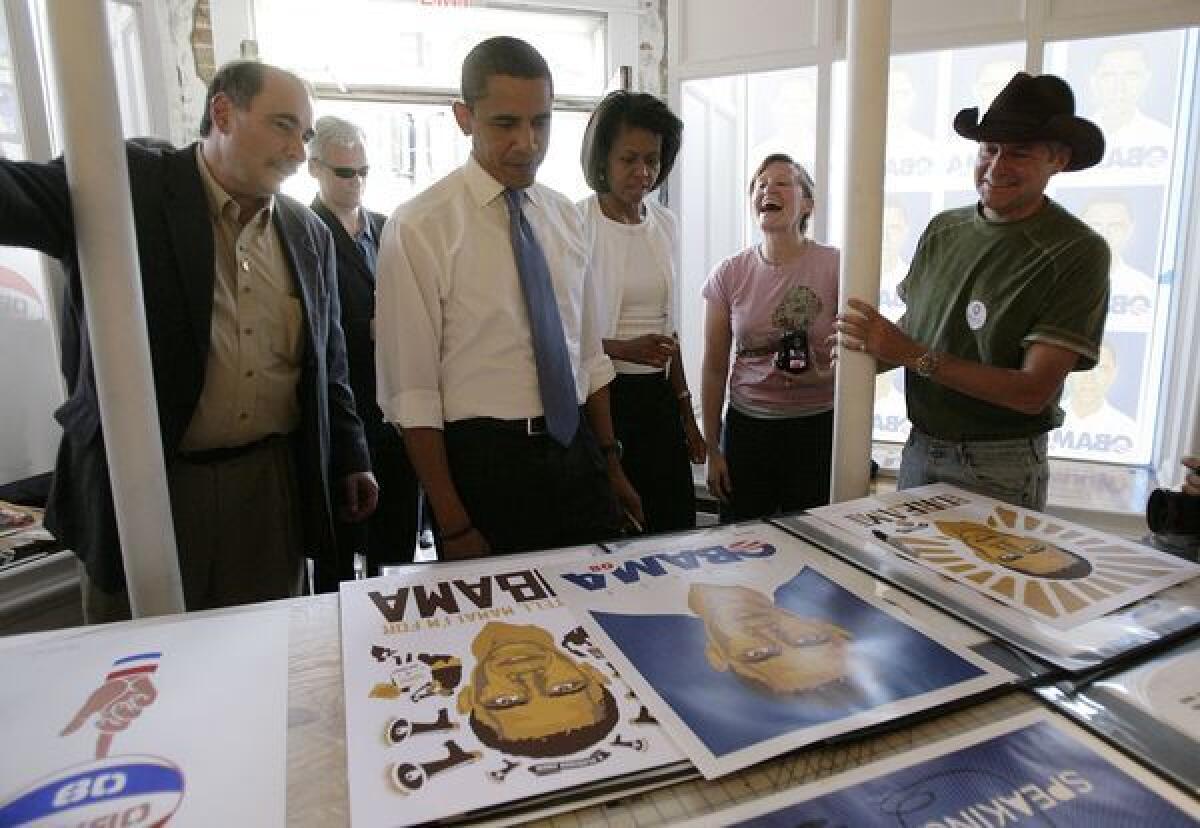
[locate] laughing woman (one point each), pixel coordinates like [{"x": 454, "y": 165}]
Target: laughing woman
[
  {"x": 628, "y": 150},
  {"x": 773, "y": 306}
]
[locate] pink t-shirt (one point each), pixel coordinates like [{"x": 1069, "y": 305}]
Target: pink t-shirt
[{"x": 765, "y": 302}]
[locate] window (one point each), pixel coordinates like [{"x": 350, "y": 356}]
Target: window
[
  {"x": 393, "y": 68},
  {"x": 1137, "y": 87},
  {"x": 28, "y": 365}
]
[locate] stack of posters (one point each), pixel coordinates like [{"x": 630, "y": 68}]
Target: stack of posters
[
  {"x": 1152, "y": 710},
  {"x": 1033, "y": 769},
  {"x": 144, "y": 723},
  {"x": 1067, "y": 593},
  {"x": 471, "y": 690},
  {"x": 744, "y": 646}
]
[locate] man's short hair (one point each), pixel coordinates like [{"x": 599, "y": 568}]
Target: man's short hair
[
  {"x": 332, "y": 130},
  {"x": 240, "y": 81},
  {"x": 630, "y": 109},
  {"x": 552, "y": 744},
  {"x": 500, "y": 56}
]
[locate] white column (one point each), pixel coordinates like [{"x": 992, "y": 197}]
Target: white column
[
  {"x": 867, "y": 45},
  {"x": 99, "y": 183}
]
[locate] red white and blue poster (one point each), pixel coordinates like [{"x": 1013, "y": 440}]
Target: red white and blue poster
[
  {"x": 181, "y": 721},
  {"x": 1034, "y": 770},
  {"x": 742, "y": 644}
]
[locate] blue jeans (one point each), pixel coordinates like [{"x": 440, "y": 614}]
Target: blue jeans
[{"x": 1015, "y": 471}]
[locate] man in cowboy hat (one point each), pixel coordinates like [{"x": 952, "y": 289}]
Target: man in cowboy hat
[{"x": 1003, "y": 299}]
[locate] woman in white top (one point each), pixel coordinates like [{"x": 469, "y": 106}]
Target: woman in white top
[{"x": 628, "y": 150}]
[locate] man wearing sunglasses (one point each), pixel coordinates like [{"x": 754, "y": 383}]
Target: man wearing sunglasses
[{"x": 338, "y": 161}]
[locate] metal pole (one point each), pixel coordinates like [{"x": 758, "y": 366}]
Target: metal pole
[
  {"x": 98, "y": 178},
  {"x": 868, "y": 50}
]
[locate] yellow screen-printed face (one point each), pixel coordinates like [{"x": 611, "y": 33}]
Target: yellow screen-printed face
[
  {"x": 768, "y": 646},
  {"x": 524, "y": 687},
  {"x": 1031, "y": 556}
]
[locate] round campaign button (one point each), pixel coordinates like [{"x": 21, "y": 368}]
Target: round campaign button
[{"x": 976, "y": 314}]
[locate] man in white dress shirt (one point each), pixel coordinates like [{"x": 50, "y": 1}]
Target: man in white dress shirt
[{"x": 455, "y": 353}]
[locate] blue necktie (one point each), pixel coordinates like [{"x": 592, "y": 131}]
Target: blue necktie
[{"x": 556, "y": 382}]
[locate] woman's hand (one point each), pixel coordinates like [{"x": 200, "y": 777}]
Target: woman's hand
[
  {"x": 648, "y": 349},
  {"x": 719, "y": 482}
]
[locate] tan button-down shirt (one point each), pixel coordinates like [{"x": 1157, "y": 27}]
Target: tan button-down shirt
[{"x": 255, "y": 343}]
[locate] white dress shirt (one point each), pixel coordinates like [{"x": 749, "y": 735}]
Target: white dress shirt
[{"x": 451, "y": 330}]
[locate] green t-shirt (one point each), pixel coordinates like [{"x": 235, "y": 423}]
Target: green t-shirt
[{"x": 985, "y": 291}]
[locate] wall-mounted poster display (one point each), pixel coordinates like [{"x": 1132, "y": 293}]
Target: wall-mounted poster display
[
  {"x": 1032, "y": 769},
  {"x": 744, "y": 646},
  {"x": 180, "y": 720},
  {"x": 472, "y": 687}
]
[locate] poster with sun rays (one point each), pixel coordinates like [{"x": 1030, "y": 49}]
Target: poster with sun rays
[
  {"x": 470, "y": 687},
  {"x": 745, "y": 643},
  {"x": 1059, "y": 573}
]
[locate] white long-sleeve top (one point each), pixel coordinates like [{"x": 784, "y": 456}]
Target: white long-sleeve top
[{"x": 452, "y": 337}]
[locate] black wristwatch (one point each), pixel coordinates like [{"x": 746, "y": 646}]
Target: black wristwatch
[{"x": 614, "y": 447}]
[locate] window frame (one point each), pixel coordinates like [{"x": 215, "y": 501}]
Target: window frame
[{"x": 1178, "y": 430}]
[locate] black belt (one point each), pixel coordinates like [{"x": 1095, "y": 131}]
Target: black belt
[
  {"x": 206, "y": 457},
  {"x": 528, "y": 426}
]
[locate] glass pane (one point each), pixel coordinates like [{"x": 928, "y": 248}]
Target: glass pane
[
  {"x": 928, "y": 169},
  {"x": 410, "y": 146},
  {"x": 405, "y": 43},
  {"x": 11, "y": 142},
  {"x": 28, "y": 366},
  {"x": 1133, "y": 87},
  {"x": 126, "y": 44}
]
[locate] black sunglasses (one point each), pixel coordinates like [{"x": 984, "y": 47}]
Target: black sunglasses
[{"x": 344, "y": 172}]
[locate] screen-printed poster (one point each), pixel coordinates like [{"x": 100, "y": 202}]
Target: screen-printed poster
[
  {"x": 1032, "y": 770},
  {"x": 1060, "y": 573},
  {"x": 180, "y": 721},
  {"x": 472, "y": 686},
  {"x": 744, "y": 648}
]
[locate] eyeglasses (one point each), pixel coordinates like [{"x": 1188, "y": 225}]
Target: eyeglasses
[{"x": 344, "y": 172}]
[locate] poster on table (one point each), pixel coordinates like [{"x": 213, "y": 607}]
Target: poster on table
[
  {"x": 744, "y": 647},
  {"x": 1057, "y": 572},
  {"x": 140, "y": 724},
  {"x": 1152, "y": 710},
  {"x": 473, "y": 687},
  {"x": 1034, "y": 769}
]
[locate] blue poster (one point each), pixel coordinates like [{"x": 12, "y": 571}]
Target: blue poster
[
  {"x": 1035, "y": 777},
  {"x": 880, "y": 661},
  {"x": 745, "y": 642}
]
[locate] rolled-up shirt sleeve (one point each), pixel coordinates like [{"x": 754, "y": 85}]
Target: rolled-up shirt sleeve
[{"x": 408, "y": 327}]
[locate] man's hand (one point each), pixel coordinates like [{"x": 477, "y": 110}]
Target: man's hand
[
  {"x": 471, "y": 544},
  {"x": 627, "y": 497},
  {"x": 360, "y": 496},
  {"x": 647, "y": 349},
  {"x": 863, "y": 328},
  {"x": 1191, "y": 485},
  {"x": 719, "y": 482}
]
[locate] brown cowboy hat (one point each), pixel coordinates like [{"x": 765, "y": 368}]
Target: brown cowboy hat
[{"x": 1038, "y": 108}]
